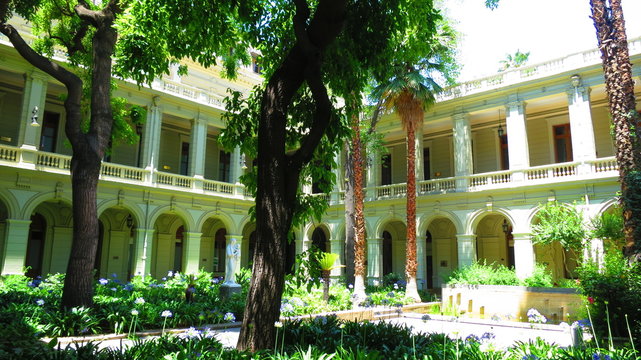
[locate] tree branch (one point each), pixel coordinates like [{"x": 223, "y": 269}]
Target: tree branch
[
  {"x": 85, "y": 13},
  {"x": 71, "y": 81}
]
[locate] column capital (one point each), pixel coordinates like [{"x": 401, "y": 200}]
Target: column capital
[
  {"x": 465, "y": 237},
  {"x": 581, "y": 92},
  {"x": 522, "y": 236},
  {"x": 155, "y": 101},
  {"x": 460, "y": 115},
  {"x": 36, "y": 74},
  {"x": 192, "y": 234},
  {"x": 232, "y": 236},
  {"x": 515, "y": 105}
]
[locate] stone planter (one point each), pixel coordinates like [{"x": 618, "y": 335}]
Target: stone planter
[{"x": 503, "y": 302}]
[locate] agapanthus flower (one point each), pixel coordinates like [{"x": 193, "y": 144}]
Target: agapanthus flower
[
  {"x": 229, "y": 317},
  {"x": 166, "y": 314}
]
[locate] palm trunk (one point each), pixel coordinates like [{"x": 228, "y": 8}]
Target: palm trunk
[
  {"x": 349, "y": 203},
  {"x": 617, "y": 70},
  {"x": 359, "y": 216},
  {"x": 411, "y": 264}
]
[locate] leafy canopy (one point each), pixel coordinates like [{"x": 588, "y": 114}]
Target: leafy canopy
[{"x": 559, "y": 222}]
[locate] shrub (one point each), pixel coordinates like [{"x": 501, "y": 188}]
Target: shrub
[
  {"x": 612, "y": 289},
  {"x": 498, "y": 274}
]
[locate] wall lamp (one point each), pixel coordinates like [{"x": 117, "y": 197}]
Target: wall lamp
[{"x": 34, "y": 116}]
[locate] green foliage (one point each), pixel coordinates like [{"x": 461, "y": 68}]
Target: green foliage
[
  {"x": 513, "y": 61},
  {"x": 559, "y": 222},
  {"x": 498, "y": 274},
  {"x": 327, "y": 260},
  {"x": 609, "y": 226},
  {"x": 613, "y": 289}
]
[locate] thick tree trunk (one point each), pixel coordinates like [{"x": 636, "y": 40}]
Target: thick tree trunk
[
  {"x": 278, "y": 171},
  {"x": 617, "y": 70},
  {"x": 411, "y": 264}
]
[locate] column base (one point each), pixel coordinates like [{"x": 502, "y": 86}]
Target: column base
[{"x": 229, "y": 289}]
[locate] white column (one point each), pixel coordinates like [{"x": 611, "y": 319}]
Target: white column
[
  {"x": 374, "y": 261},
  {"x": 466, "y": 249},
  {"x": 462, "y": 132},
  {"x": 421, "y": 271},
  {"x": 336, "y": 247},
  {"x": 420, "y": 174},
  {"x": 373, "y": 174},
  {"x": 581, "y": 127},
  {"x": 523, "y": 255},
  {"x": 15, "y": 248},
  {"x": 338, "y": 174},
  {"x": 518, "y": 150},
  {"x": 151, "y": 136},
  {"x": 142, "y": 262},
  {"x": 197, "y": 147},
  {"x": 33, "y": 100},
  {"x": 235, "y": 166}
]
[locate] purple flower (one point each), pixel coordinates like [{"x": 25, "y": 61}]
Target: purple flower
[
  {"x": 229, "y": 317},
  {"x": 103, "y": 281},
  {"x": 166, "y": 314},
  {"x": 40, "y": 302}
]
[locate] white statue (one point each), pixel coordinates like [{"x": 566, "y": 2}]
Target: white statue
[{"x": 233, "y": 251}]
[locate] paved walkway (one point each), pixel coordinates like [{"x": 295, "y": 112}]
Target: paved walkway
[{"x": 505, "y": 334}]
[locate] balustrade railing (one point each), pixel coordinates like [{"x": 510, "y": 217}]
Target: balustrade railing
[{"x": 603, "y": 167}]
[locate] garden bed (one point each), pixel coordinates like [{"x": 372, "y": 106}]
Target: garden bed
[{"x": 504, "y": 302}]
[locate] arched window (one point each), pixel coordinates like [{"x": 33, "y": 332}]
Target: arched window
[{"x": 320, "y": 240}]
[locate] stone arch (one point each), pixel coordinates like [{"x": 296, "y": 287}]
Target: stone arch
[
  {"x": 494, "y": 239},
  {"x": 56, "y": 236},
  {"x": 227, "y": 221},
  {"x": 214, "y": 232},
  {"x": 248, "y": 231},
  {"x": 166, "y": 210},
  {"x": 441, "y": 250},
  {"x": 125, "y": 205},
  {"x": 560, "y": 262},
  {"x": 475, "y": 217},
  {"x": 382, "y": 222},
  {"x": 424, "y": 221},
  {"x": 116, "y": 252},
  {"x": 36, "y": 200},
  {"x": 10, "y": 204},
  {"x": 393, "y": 234},
  {"x": 319, "y": 236}
]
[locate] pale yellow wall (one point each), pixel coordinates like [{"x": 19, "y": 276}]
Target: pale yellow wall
[
  {"x": 170, "y": 150},
  {"x": 441, "y": 152},
  {"x": 485, "y": 150},
  {"x": 211, "y": 159},
  {"x": 601, "y": 122},
  {"x": 491, "y": 243},
  {"x": 60, "y": 249},
  {"x": 443, "y": 249},
  {"x": 399, "y": 164},
  {"x": 125, "y": 154},
  {"x": 538, "y": 141},
  {"x": 206, "y": 261},
  {"x": 10, "y": 117}
]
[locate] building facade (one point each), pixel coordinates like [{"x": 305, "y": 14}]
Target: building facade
[{"x": 491, "y": 152}]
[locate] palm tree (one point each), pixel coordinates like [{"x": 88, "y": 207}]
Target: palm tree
[
  {"x": 619, "y": 85},
  {"x": 409, "y": 93},
  {"x": 326, "y": 264}
]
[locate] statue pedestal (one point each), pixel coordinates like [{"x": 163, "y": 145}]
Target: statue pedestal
[{"x": 228, "y": 289}]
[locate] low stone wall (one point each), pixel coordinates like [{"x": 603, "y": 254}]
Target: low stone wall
[{"x": 512, "y": 302}]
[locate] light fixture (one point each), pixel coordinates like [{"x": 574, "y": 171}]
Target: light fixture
[
  {"x": 130, "y": 221},
  {"x": 576, "y": 80},
  {"x": 500, "y": 130},
  {"x": 505, "y": 226},
  {"x": 243, "y": 162},
  {"x": 34, "y": 116}
]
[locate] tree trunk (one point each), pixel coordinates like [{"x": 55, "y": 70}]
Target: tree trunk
[
  {"x": 410, "y": 266},
  {"x": 359, "y": 215},
  {"x": 349, "y": 213},
  {"x": 278, "y": 171},
  {"x": 617, "y": 70},
  {"x": 325, "y": 275},
  {"x": 88, "y": 149}
]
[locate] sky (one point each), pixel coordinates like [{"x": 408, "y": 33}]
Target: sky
[{"x": 548, "y": 29}]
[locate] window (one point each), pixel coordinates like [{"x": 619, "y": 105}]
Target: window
[
  {"x": 224, "y": 161},
  {"x": 562, "y": 143},
  {"x": 49, "y": 134},
  {"x": 184, "y": 159},
  {"x": 386, "y": 169},
  {"x": 427, "y": 167},
  {"x": 505, "y": 158}
]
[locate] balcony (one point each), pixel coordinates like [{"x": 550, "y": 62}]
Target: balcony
[
  {"x": 603, "y": 168},
  {"x": 61, "y": 164}
]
